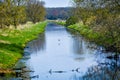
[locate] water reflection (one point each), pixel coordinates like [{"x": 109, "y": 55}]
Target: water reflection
[
  {"x": 22, "y": 69},
  {"x": 82, "y": 48},
  {"x": 77, "y": 42},
  {"x": 104, "y": 71},
  {"x": 78, "y": 45},
  {"x": 59, "y": 54},
  {"x": 67, "y": 56},
  {"x": 37, "y": 45}
]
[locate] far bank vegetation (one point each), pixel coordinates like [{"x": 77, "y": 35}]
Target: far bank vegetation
[{"x": 100, "y": 17}]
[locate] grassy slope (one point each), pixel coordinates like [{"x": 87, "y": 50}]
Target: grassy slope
[
  {"x": 59, "y": 22},
  {"x": 95, "y": 36},
  {"x": 12, "y": 43},
  {"x": 84, "y": 30},
  {"x": 88, "y": 33}
]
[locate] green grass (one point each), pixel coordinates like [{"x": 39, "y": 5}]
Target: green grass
[
  {"x": 59, "y": 22},
  {"x": 85, "y": 31},
  {"x": 12, "y": 43}
]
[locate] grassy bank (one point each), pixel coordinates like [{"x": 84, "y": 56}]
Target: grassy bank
[
  {"x": 96, "y": 36},
  {"x": 12, "y": 43},
  {"x": 59, "y": 22}
]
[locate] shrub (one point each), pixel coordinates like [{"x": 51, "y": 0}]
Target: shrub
[{"x": 72, "y": 20}]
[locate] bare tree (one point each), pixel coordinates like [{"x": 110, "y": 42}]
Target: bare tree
[{"x": 35, "y": 10}]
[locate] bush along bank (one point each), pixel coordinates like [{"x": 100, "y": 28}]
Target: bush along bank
[
  {"x": 59, "y": 22},
  {"x": 110, "y": 44},
  {"x": 12, "y": 43}
]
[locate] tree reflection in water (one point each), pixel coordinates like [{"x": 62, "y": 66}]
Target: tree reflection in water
[
  {"x": 38, "y": 44},
  {"x": 104, "y": 71}
]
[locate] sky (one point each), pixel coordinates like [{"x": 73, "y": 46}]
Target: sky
[{"x": 57, "y": 3}]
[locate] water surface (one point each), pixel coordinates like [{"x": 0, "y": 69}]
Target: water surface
[{"x": 60, "y": 54}]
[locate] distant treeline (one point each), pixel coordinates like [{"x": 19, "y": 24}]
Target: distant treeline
[
  {"x": 15, "y": 12},
  {"x": 58, "y": 13}
]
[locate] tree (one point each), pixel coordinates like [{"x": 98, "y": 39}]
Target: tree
[
  {"x": 18, "y": 12},
  {"x": 105, "y": 15},
  {"x": 5, "y": 9},
  {"x": 72, "y": 20},
  {"x": 35, "y": 10},
  {"x": 81, "y": 10},
  {"x": 12, "y": 12}
]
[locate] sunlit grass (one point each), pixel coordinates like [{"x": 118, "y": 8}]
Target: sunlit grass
[
  {"x": 59, "y": 22},
  {"x": 12, "y": 43}
]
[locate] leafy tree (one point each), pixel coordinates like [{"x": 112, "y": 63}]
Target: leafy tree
[
  {"x": 18, "y": 12},
  {"x": 72, "y": 20},
  {"x": 18, "y": 15},
  {"x": 12, "y": 12},
  {"x": 105, "y": 15},
  {"x": 5, "y": 13}
]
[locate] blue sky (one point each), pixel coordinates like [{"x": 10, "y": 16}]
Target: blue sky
[{"x": 57, "y": 3}]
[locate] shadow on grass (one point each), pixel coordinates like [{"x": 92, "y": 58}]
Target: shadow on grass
[{"x": 12, "y": 47}]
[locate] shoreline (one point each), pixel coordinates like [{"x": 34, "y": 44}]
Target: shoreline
[
  {"x": 95, "y": 37},
  {"x": 12, "y": 43},
  {"x": 89, "y": 34}
]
